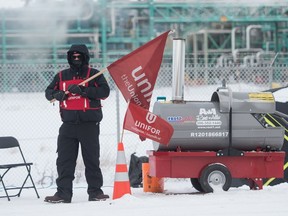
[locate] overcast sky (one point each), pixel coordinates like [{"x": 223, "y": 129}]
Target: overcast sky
[{"x": 11, "y": 3}]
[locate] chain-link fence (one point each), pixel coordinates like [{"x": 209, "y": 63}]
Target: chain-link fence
[{"x": 34, "y": 121}]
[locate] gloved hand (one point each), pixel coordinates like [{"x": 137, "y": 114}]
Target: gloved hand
[
  {"x": 60, "y": 95},
  {"x": 77, "y": 89}
]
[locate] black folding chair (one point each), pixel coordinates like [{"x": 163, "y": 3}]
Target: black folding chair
[{"x": 12, "y": 143}]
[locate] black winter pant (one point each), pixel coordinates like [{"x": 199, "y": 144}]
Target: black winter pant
[{"x": 70, "y": 135}]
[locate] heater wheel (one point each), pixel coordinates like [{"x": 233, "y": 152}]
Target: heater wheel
[
  {"x": 196, "y": 184},
  {"x": 215, "y": 177}
]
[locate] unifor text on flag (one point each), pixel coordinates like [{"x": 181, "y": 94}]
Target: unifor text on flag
[
  {"x": 147, "y": 124},
  {"x": 135, "y": 74}
]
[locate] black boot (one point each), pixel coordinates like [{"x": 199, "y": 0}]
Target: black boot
[
  {"x": 56, "y": 199},
  {"x": 98, "y": 197}
]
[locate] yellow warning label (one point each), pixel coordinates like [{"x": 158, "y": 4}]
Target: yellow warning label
[{"x": 261, "y": 96}]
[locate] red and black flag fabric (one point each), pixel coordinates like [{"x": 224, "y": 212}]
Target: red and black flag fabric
[
  {"x": 135, "y": 74},
  {"x": 147, "y": 124}
]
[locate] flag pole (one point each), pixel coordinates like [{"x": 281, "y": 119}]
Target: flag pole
[
  {"x": 122, "y": 134},
  {"x": 121, "y": 140},
  {"x": 86, "y": 80},
  {"x": 94, "y": 76}
]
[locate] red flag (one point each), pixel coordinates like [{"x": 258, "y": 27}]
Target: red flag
[
  {"x": 135, "y": 74},
  {"x": 147, "y": 124}
]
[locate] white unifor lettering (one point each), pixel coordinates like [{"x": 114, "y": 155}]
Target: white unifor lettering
[
  {"x": 135, "y": 71},
  {"x": 136, "y": 100},
  {"x": 150, "y": 117},
  {"x": 143, "y": 82},
  {"x": 147, "y": 95},
  {"x": 130, "y": 89},
  {"x": 146, "y": 127},
  {"x": 137, "y": 77}
]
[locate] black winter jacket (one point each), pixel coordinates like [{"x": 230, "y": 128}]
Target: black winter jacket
[{"x": 98, "y": 89}]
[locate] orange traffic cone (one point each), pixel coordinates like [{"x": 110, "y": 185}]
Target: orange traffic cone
[{"x": 121, "y": 182}]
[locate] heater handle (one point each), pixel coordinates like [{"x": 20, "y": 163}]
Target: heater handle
[{"x": 161, "y": 98}]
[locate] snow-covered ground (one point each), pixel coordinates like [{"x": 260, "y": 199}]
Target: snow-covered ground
[{"x": 179, "y": 198}]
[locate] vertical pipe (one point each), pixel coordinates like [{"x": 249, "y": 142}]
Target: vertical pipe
[
  {"x": 233, "y": 38},
  {"x": 272, "y": 70},
  {"x": 4, "y": 48},
  {"x": 248, "y": 29},
  {"x": 195, "y": 49},
  {"x": 151, "y": 19},
  {"x": 276, "y": 40},
  {"x": 178, "y": 66},
  {"x": 104, "y": 32},
  {"x": 205, "y": 47},
  {"x": 206, "y": 55},
  {"x": 4, "y": 53}
]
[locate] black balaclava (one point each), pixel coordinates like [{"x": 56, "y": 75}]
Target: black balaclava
[
  {"x": 83, "y": 60},
  {"x": 77, "y": 62}
]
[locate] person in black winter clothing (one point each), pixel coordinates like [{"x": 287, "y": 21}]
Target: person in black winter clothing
[{"x": 81, "y": 114}]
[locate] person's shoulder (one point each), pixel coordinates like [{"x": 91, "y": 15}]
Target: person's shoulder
[
  {"x": 66, "y": 70},
  {"x": 93, "y": 70},
  {"x": 62, "y": 73}
]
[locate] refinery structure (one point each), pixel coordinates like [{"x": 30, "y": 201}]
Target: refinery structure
[{"x": 216, "y": 32}]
